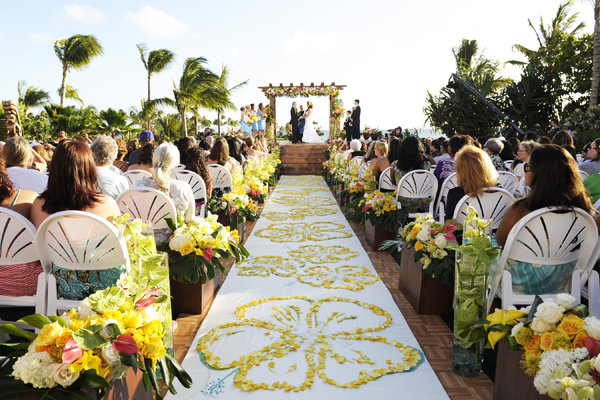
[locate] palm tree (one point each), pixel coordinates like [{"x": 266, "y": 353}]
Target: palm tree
[
  {"x": 72, "y": 93},
  {"x": 31, "y": 97},
  {"x": 596, "y": 57},
  {"x": 154, "y": 62},
  {"x": 75, "y": 52},
  {"x": 113, "y": 119},
  {"x": 224, "y": 82}
]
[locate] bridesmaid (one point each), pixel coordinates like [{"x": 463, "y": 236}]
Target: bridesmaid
[
  {"x": 244, "y": 122},
  {"x": 262, "y": 122},
  {"x": 255, "y": 124}
]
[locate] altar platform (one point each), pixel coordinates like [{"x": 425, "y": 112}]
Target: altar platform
[{"x": 303, "y": 158}]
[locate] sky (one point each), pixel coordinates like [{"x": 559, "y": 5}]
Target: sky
[{"x": 389, "y": 53}]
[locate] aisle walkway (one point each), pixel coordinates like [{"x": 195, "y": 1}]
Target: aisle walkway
[{"x": 310, "y": 294}]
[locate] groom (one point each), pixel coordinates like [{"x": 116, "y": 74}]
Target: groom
[
  {"x": 355, "y": 117},
  {"x": 294, "y": 122}
]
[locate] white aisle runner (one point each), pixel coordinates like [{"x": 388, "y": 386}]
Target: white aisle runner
[{"x": 306, "y": 313}]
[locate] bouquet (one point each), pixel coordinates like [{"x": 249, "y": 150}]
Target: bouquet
[
  {"x": 435, "y": 245},
  {"x": 382, "y": 212},
  {"x": 88, "y": 348},
  {"x": 196, "y": 248}
]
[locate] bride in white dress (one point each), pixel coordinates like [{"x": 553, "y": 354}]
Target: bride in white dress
[{"x": 310, "y": 135}]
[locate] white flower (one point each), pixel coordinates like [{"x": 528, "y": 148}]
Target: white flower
[
  {"x": 118, "y": 370},
  {"x": 565, "y": 300},
  {"x": 84, "y": 309},
  {"x": 149, "y": 314},
  {"x": 36, "y": 369},
  {"x": 539, "y": 326},
  {"x": 515, "y": 329},
  {"x": 424, "y": 234},
  {"x": 554, "y": 363},
  {"x": 549, "y": 312},
  {"x": 179, "y": 239},
  {"x": 440, "y": 241},
  {"x": 526, "y": 310},
  {"x": 592, "y": 327},
  {"x": 107, "y": 332},
  {"x": 110, "y": 354},
  {"x": 65, "y": 376}
]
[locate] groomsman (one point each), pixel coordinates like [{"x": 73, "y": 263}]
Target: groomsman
[
  {"x": 355, "y": 124},
  {"x": 301, "y": 122},
  {"x": 294, "y": 122},
  {"x": 348, "y": 127}
]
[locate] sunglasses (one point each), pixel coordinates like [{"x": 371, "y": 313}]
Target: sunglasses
[{"x": 526, "y": 167}]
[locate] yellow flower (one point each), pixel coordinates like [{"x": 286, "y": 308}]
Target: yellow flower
[
  {"x": 186, "y": 248},
  {"x": 500, "y": 317},
  {"x": 152, "y": 328},
  {"x": 571, "y": 325},
  {"x": 64, "y": 338},
  {"x": 87, "y": 361},
  {"x": 48, "y": 334},
  {"x": 131, "y": 319},
  {"x": 154, "y": 348},
  {"x": 418, "y": 246}
]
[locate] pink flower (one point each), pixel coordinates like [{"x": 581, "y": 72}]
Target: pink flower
[
  {"x": 208, "y": 254},
  {"x": 126, "y": 344},
  {"x": 366, "y": 207},
  {"x": 450, "y": 236},
  {"x": 450, "y": 226},
  {"x": 72, "y": 352},
  {"x": 231, "y": 210},
  {"x": 143, "y": 303}
]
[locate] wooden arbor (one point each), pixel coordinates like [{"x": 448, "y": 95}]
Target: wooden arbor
[{"x": 333, "y": 91}]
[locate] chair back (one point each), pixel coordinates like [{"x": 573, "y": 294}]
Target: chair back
[
  {"x": 508, "y": 163},
  {"x": 507, "y": 181},
  {"x": 136, "y": 175},
  {"x": 491, "y": 204},
  {"x": 17, "y": 246},
  {"x": 356, "y": 161},
  {"x": 418, "y": 184},
  {"x": 362, "y": 169},
  {"x": 77, "y": 240},
  {"x": 449, "y": 183},
  {"x": 583, "y": 174},
  {"x": 221, "y": 177},
  {"x": 385, "y": 180},
  {"x": 147, "y": 204},
  {"x": 196, "y": 183}
]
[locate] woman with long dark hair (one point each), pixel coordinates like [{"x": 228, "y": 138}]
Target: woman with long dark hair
[
  {"x": 219, "y": 154},
  {"x": 196, "y": 162},
  {"x": 411, "y": 156},
  {"x": 554, "y": 179}
]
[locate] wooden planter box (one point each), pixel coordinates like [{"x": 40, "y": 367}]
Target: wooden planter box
[
  {"x": 511, "y": 381},
  {"x": 426, "y": 295},
  {"x": 130, "y": 387},
  {"x": 375, "y": 237},
  {"x": 191, "y": 298}
]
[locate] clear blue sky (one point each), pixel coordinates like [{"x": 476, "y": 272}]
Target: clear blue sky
[{"x": 389, "y": 53}]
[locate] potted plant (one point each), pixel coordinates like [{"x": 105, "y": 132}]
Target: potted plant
[
  {"x": 196, "y": 251},
  {"x": 234, "y": 210},
  {"x": 383, "y": 219},
  {"x": 427, "y": 263}
]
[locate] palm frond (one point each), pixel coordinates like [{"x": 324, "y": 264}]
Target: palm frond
[
  {"x": 78, "y": 50},
  {"x": 159, "y": 59},
  {"x": 142, "y": 49}
]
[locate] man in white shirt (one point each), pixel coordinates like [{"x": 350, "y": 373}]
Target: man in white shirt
[{"x": 105, "y": 152}]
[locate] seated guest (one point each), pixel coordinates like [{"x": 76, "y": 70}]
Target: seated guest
[
  {"x": 593, "y": 154},
  {"x": 444, "y": 150},
  {"x": 523, "y": 154},
  {"x": 183, "y": 145},
  {"x": 506, "y": 154},
  {"x": 445, "y": 167},
  {"x": 412, "y": 156},
  {"x": 493, "y": 147},
  {"x": 144, "y": 159},
  {"x": 18, "y": 200},
  {"x": 379, "y": 164},
  {"x": 105, "y": 151},
  {"x": 145, "y": 137},
  {"x": 369, "y": 154},
  {"x": 119, "y": 162},
  {"x": 355, "y": 149},
  {"x": 250, "y": 148},
  {"x": 394, "y": 152},
  {"x": 552, "y": 175},
  {"x": 164, "y": 161},
  {"x": 474, "y": 172},
  {"x": 132, "y": 145},
  {"x": 73, "y": 185},
  {"x": 197, "y": 163},
  {"x": 219, "y": 154},
  {"x": 18, "y": 155}
]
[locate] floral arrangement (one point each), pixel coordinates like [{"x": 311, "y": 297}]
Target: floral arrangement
[
  {"x": 268, "y": 113},
  {"x": 560, "y": 345},
  {"x": 337, "y": 109},
  {"x": 381, "y": 211},
  {"x": 305, "y": 91},
  {"x": 112, "y": 331},
  {"x": 435, "y": 245},
  {"x": 196, "y": 248}
]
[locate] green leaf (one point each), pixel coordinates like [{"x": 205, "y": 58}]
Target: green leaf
[
  {"x": 536, "y": 302},
  {"x": 89, "y": 338},
  {"x": 36, "y": 320},
  {"x": 180, "y": 373},
  {"x": 129, "y": 359},
  {"x": 90, "y": 379},
  {"x": 171, "y": 224},
  {"x": 12, "y": 330},
  {"x": 151, "y": 374},
  {"x": 55, "y": 318}
]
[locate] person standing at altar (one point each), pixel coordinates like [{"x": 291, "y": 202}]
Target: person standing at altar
[
  {"x": 262, "y": 124},
  {"x": 294, "y": 122},
  {"x": 355, "y": 117},
  {"x": 246, "y": 128},
  {"x": 255, "y": 123},
  {"x": 348, "y": 127},
  {"x": 301, "y": 122}
]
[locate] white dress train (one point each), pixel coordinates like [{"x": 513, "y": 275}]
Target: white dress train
[{"x": 310, "y": 135}]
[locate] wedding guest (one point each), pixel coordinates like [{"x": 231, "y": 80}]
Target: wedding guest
[
  {"x": 394, "y": 153},
  {"x": 544, "y": 140},
  {"x": 105, "y": 151},
  {"x": 145, "y": 137},
  {"x": 474, "y": 172},
  {"x": 19, "y": 156},
  {"x": 144, "y": 159},
  {"x": 523, "y": 154},
  {"x": 219, "y": 154},
  {"x": 381, "y": 162},
  {"x": 506, "y": 154},
  {"x": 443, "y": 150},
  {"x": 132, "y": 145},
  {"x": 18, "y": 200},
  {"x": 493, "y": 147},
  {"x": 72, "y": 185},
  {"x": 41, "y": 150},
  {"x": 411, "y": 156},
  {"x": 119, "y": 162},
  {"x": 355, "y": 147},
  {"x": 197, "y": 163},
  {"x": 552, "y": 175},
  {"x": 369, "y": 154},
  {"x": 164, "y": 161},
  {"x": 251, "y": 151},
  {"x": 593, "y": 154},
  {"x": 183, "y": 145},
  {"x": 435, "y": 149},
  {"x": 235, "y": 151},
  {"x": 445, "y": 168}
]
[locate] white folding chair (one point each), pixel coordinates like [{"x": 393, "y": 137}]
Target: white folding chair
[
  {"x": 136, "y": 175},
  {"x": 548, "y": 236},
  {"x": 418, "y": 184},
  {"x": 361, "y": 170},
  {"x": 147, "y": 204},
  {"x": 221, "y": 177},
  {"x": 583, "y": 174},
  {"x": 491, "y": 204},
  {"x": 507, "y": 181},
  {"x": 77, "y": 241},
  {"x": 385, "y": 180},
  {"x": 356, "y": 161},
  {"x": 17, "y": 246},
  {"x": 508, "y": 164},
  {"x": 447, "y": 184},
  {"x": 197, "y": 184}
]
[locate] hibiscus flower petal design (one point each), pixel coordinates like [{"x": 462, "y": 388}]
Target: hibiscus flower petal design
[
  {"x": 326, "y": 230},
  {"x": 342, "y": 316},
  {"x": 265, "y": 265},
  {"x": 285, "y": 313},
  {"x": 318, "y": 254},
  {"x": 353, "y": 360},
  {"x": 281, "y": 233},
  {"x": 299, "y": 201},
  {"x": 230, "y": 345},
  {"x": 318, "y": 276},
  {"x": 245, "y": 269}
]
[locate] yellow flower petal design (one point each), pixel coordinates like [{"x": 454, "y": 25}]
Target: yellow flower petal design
[
  {"x": 318, "y": 254},
  {"x": 300, "y": 232},
  {"x": 266, "y": 265},
  {"x": 341, "y": 316},
  {"x": 301, "y": 192},
  {"x": 294, "y": 201},
  {"x": 299, "y": 213},
  {"x": 347, "y": 277}
]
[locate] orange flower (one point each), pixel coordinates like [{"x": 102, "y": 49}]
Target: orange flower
[
  {"x": 534, "y": 345},
  {"x": 571, "y": 325},
  {"x": 578, "y": 341},
  {"x": 546, "y": 341}
]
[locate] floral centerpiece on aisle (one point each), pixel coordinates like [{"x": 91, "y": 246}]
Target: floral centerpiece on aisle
[
  {"x": 196, "y": 248},
  {"x": 435, "y": 245},
  {"x": 381, "y": 211},
  {"x": 238, "y": 207},
  {"x": 560, "y": 345},
  {"x": 87, "y": 349}
]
